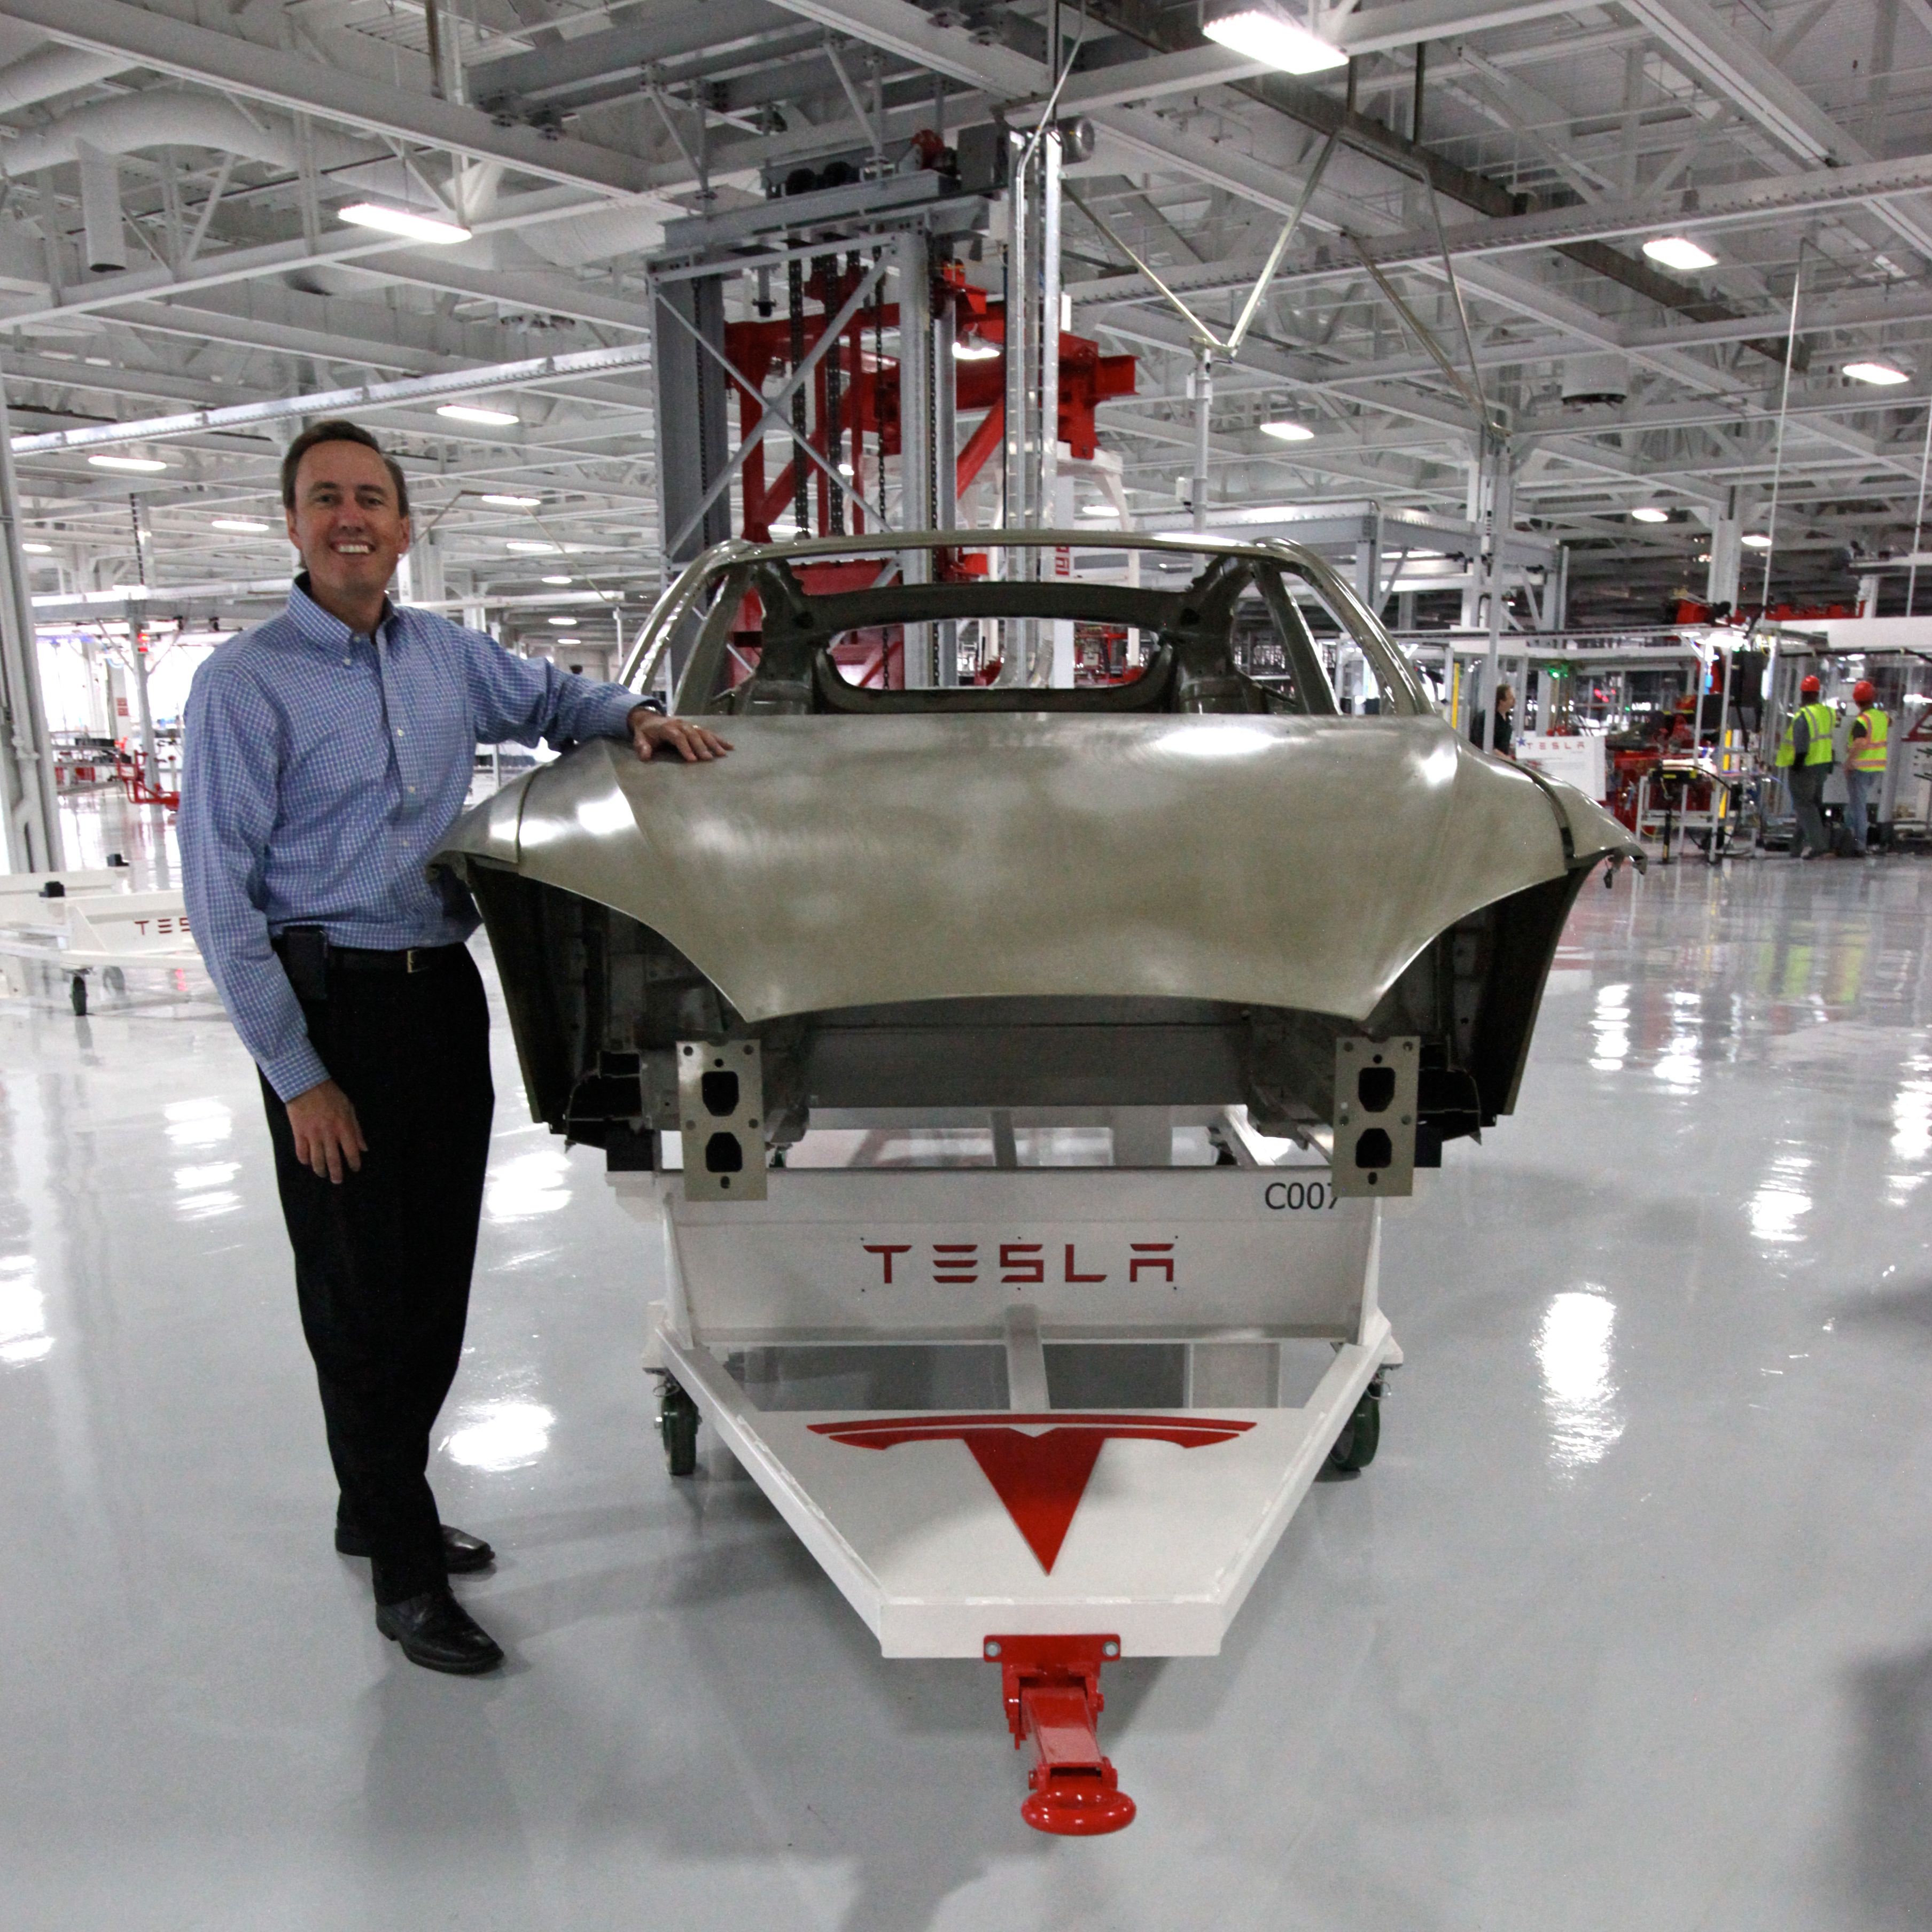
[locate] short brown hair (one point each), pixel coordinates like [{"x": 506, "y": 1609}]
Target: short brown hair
[{"x": 336, "y": 429}]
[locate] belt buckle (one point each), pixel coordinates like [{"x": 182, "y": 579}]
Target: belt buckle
[{"x": 410, "y": 961}]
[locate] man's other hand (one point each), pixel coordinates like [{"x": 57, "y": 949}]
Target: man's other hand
[
  {"x": 650, "y": 733},
  {"x": 328, "y": 1137}
]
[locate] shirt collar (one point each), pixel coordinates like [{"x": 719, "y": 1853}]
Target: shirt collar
[{"x": 321, "y": 628}]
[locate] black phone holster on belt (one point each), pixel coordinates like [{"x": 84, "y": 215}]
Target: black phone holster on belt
[{"x": 305, "y": 952}]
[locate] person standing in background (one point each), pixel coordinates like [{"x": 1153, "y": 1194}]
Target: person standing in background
[
  {"x": 1864, "y": 765},
  {"x": 1805, "y": 757},
  {"x": 1505, "y": 737}
]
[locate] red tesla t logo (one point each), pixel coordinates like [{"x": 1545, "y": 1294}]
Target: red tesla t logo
[{"x": 1040, "y": 1477}]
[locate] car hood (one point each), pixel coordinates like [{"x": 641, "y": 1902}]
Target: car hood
[{"x": 833, "y": 862}]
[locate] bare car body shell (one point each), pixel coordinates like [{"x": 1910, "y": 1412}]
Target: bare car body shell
[{"x": 1178, "y": 892}]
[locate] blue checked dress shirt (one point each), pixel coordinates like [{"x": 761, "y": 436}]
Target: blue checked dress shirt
[{"x": 320, "y": 770}]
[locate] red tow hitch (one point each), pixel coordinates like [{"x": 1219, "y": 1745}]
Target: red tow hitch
[{"x": 1051, "y": 1685}]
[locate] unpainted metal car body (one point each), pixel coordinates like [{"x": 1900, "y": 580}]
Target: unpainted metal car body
[{"x": 1180, "y": 891}]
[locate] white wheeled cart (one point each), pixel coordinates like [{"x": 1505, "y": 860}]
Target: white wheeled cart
[
  {"x": 81, "y": 923},
  {"x": 1046, "y": 1539}
]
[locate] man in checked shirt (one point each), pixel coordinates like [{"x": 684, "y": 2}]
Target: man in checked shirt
[{"x": 327, "y": 752}]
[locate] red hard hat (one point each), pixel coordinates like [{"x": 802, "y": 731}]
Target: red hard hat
[
  {"x": 1809, "y": 688},
  {"x": 1864, "y": 691}
]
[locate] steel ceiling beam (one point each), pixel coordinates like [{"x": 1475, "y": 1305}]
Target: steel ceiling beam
[
  {"x": 445, "y": 387},
  {"x": 287, "y": 80}
]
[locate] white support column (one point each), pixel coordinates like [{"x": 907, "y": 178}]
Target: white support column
[
  {"x": 32, "y": 827},
  {"x": 917, "y": 375},
  {"x": 151, "y": 764},
  {"x": 945, "y": 469}
]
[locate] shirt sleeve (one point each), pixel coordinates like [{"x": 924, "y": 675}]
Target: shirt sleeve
[
  {"x": 230, "y": 769},
  {"x": 520, "y": 699}
]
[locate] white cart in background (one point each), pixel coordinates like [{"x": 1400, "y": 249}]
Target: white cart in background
[
  {"x": 79, "y": 923},
  {"x": 1047, "y": 1540}
]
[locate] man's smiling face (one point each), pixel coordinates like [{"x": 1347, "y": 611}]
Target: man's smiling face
[{"x": 347, "y": 523}]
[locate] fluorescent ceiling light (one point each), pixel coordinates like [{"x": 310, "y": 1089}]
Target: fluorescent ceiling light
[
  {"x": 559, "y": 579},
  {"x": 507, "y": 503},
  {"x": 1755, "y": 540},
  {"x": 245, "y": 526},
  {"x": 38, "y": 550},
  {"x": 402, "y": 221},
  {"x": 1266, "y": 36},
  {"x": 1098, "y": 510},
  {"x": 1649, "y": 513},
  {"x": 143, "y": 465},
  {"x": 568, "y": 623},
  {"x": 974, "y": 350},
  {"x": 1882, "y": 373},
  {"x": 469, "y": 412},
  {"x": 530, "y": 547},
  {"x": 1288, "y": 432},
  {"x": 1679, "y": 252}
]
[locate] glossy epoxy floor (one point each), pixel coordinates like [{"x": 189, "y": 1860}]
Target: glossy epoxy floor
[{"x": 1630, "y": 1626}]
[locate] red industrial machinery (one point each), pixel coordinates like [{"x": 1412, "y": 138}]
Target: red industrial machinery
[
  {"x": 855, "y": 392},
  {"x": 853, "y": 415}
]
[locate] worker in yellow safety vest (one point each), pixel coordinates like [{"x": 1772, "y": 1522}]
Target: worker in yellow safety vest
[
  {"x": 1871, "y": 733},
  {"x": 1805, "y": 757}
]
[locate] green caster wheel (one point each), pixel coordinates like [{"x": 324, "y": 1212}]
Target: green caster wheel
[
  {"x": 1361, "y": 1434},
  {"x": 677, "y": 1423}
]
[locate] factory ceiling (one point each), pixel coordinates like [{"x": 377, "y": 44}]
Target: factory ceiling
[{"x": 1536, "y": 146}]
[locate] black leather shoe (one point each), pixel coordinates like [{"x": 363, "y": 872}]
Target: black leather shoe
[
  {"x": 461, "y": 1551},
  {"x": 436, "y": 1631}
]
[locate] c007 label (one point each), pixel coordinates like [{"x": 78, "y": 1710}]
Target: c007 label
[{"x": 1299, "y": 1197}]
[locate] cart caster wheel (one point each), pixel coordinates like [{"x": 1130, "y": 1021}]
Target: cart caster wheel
[
  {"x": 115, "y": 979},
  {"x": 1361, "y": 1435},
  {"x": 77, "y": 996},
  {"x": 677, "y": 1423}
]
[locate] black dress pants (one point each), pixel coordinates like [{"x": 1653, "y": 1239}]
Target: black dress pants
[{"x": 383, "y": 1260}]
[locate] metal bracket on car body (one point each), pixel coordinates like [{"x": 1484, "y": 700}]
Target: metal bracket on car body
[
  {"x": 1376, "y": 1086},
  {"x": 721, "y": 1093}
]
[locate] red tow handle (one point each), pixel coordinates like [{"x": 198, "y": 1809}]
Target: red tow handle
[{"x": 1051, "y": 1686}]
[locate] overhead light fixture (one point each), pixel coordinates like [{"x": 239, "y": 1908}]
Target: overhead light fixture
[
  {"x": 559, "y": 579},
  {"x": 1648, "y": 513},
  {"x": 530, "y": 547},
  {"x": 471, "y": 412},
  {"x": 970, "y": 349},
  {"x": 1098, "y": 510},
  {"x": 139, "y": 466},
  {"x": 246, "y": 527},
  {"x": 38, "y": 549},
  {"x": 1755, "y": 540},
  {"x": 1288, "y": 431},
  {"x": 566, "y": 623},
  {"x": 1262, "y": 34},
  {"x": 404, "y": 221},
  {"x": 506, "y": 502},
  {"x": 1679, "y": 252},
  {"x": 1882, "y": 373}
]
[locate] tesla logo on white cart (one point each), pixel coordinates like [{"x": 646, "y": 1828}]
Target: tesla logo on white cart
[{"x": 1018, "y": 1263}]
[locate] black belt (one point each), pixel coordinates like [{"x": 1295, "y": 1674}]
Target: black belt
[
  {"x": 306, "y": 952},
  {"x": 409, "y": 959}
]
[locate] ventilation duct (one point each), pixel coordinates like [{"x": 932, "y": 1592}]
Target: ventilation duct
[
  {"x": 50, "y": 71},
  {"x": 166, "y": 119},
  {"x": 580, "y": 239},
  {"x": 1602, "y": 378},
  {"x": 104, "y": 235}
]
